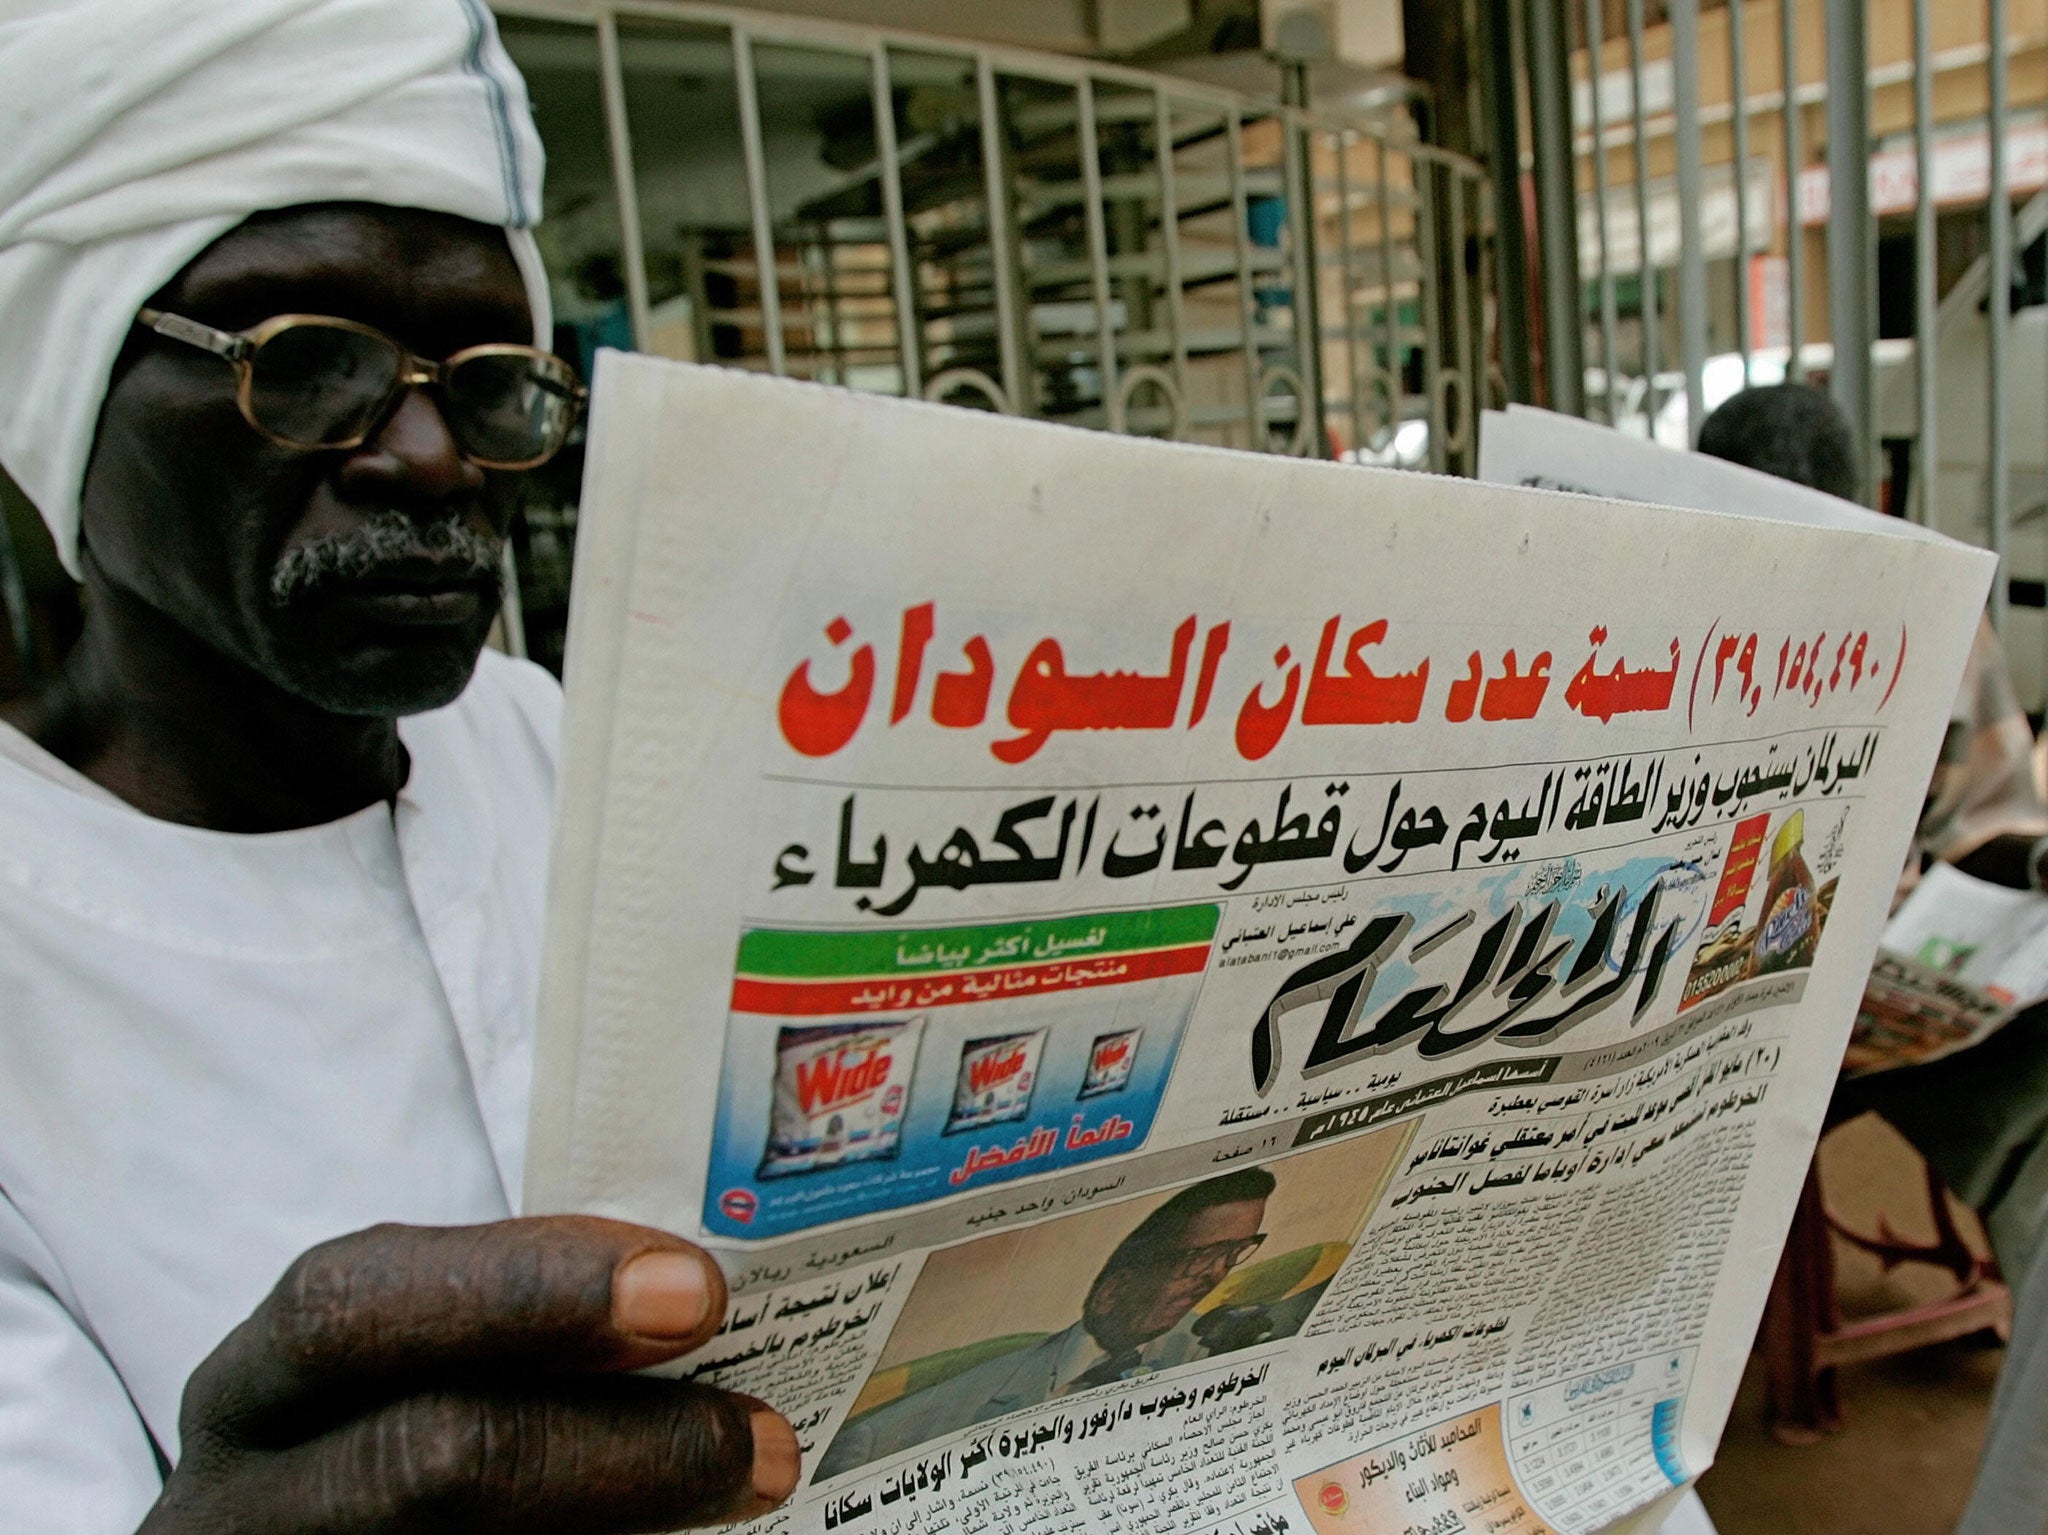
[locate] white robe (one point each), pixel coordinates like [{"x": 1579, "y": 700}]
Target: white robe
[{"x": 218, "y": 1050}]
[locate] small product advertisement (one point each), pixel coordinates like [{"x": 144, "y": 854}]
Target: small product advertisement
[
  {"x": 855, "y": 1082},
  {"x": 1771, "y": 904}
]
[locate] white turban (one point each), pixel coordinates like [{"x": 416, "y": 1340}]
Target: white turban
[{"x": 135, "y": 133}]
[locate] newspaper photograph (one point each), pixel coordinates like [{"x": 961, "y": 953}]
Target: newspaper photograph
[{"x": 1198, "y": 992}]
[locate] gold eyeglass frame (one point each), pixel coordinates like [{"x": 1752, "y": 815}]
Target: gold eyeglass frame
[{"x": 239, "y": 348}]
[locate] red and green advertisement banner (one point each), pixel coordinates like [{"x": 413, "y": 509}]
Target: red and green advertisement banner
[{"x": 804, "y": 974}]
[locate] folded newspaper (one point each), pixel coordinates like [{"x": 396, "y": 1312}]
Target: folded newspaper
[
  {"x": 1195, "y": 991},
  {"x": 1957, "y": 961}
]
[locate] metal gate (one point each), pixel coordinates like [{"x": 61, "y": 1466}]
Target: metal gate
[
  {"x": 1029, "y": 233},
  {"x": 1749, "y": 190},
  {"x": 1032, "y": 233}
]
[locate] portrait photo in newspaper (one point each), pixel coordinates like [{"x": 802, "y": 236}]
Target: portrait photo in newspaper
[{"x": 1227, "y": 1263}]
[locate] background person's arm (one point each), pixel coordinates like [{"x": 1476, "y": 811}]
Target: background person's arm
[
  {"x": 1984, "y": 809},
  {"x": 2004, "y": 860}
]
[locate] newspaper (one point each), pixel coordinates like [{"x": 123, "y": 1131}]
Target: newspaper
[
  {"x": 1541, "y": 450},
  {"x": 1198, "y": 992},
  {"x": 1957, "y": 961}
]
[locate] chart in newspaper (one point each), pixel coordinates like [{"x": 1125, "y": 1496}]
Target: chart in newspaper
[{"x": 1202, "y": 992}]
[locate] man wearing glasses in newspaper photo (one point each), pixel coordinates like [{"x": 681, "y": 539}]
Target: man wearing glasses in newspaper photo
[
  {"x": 277, "y": 351},
  {"x": 1224, "y": 1264},
  {"x": 1130, "y": 1325}
]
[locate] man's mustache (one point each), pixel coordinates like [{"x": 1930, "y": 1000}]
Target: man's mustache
[{"x": 387, "y": 541}]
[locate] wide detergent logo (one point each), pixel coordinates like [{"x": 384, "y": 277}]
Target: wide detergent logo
[
  {"x": 996, "y": 1082},
  {"x": 998, "y": 1069},
  {"x": 842, "y": 1077},
  {"x": 839, "y": 1094}
]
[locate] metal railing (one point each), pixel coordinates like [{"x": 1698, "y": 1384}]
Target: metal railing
[
  {"x": 1663, "y": 189},
  {"x": 1037, "y": 234},
  {"x": 1029, "y": 233}
]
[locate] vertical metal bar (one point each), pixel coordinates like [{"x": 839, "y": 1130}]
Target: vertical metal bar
[
  {"x": 1852, "y": 238},
  {"x": 1511, "y": 245},
  {"x": 1738, "y": 100},
  {"x": 1344, "y": 287},
  {"x": 624, "y": 187},
  {"x": 1490, "y": 335},
  {"x": 511, "y": 606},
  {"x": 757, "y": 197},
  {"x": 828, "y": 278},
  {"x": 1390, "y": 313},
  {"x": 1430, "y": 300},
  {"x": 1169, "y": 237},
  {"x": 1795, "y": 158},
  {"x": 1609, "y": 319},
  {"x": 1999, "y": 240},
  {"x": 1461, "y": 322},
  {"x": 1298, "y": 167},
  {"x": 1240, "y": 214},
  {"x": 1476, "y": 189},
  {"x": 902, "y": 277},
  {"x": 1646, "y": 266},
  {"x": 1557, "y": 222},
  {"x": 1098, "y": 252},
  {"x": 1692, "y": 255},
  {"x": 996, "y": 194},
  {"x": 1927, "y": 439}
]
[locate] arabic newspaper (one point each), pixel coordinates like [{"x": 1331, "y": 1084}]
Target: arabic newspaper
[{"x": 1197, "y": 992}]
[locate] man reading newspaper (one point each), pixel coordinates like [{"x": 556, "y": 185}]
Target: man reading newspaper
[
  {"x": 277, "y": 337},
  {"x": 273, "y": 844}
]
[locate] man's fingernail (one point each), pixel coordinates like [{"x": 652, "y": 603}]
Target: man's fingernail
[
  {"x": 777, "y": 1460},
  {"x": 661, "y": 1295}
]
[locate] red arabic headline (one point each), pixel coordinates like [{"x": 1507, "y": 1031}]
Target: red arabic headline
[{"x": 1045, "y": 698}]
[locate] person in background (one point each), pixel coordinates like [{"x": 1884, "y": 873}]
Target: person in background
[
  {"x": 1979, "y": 1117},
  {"x": 273, "y": 845}
]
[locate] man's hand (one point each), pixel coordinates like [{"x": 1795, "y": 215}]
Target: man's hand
[{"x": 474, "y": 1378}]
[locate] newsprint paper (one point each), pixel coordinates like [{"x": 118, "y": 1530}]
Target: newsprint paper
[{"x": 1196, "y": 992}]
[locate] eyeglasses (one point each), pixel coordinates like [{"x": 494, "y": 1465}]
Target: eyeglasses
[
  {"x": 1194, "y": 1262},
  {"x": 313, "y": 382}
]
